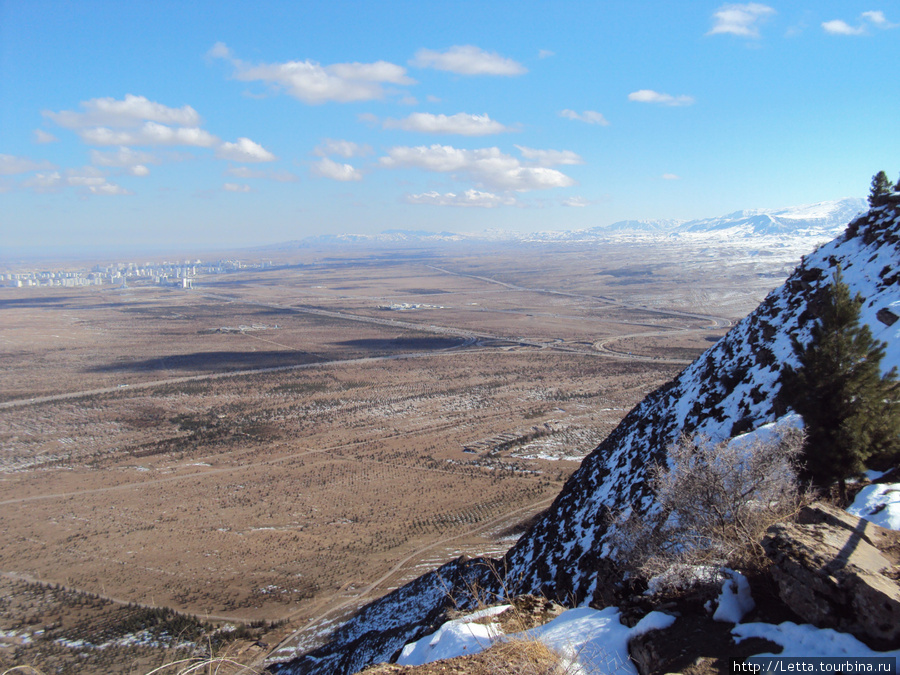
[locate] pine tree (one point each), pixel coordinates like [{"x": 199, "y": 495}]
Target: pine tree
[
  {"x": 881, "y": 187},
  {"x": 851, "y": 411}
]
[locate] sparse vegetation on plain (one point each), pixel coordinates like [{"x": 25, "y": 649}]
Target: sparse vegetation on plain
[{"x": 274, "y": 474}]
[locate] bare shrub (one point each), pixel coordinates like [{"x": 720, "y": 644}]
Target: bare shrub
[{"x": 715, "y": 501}]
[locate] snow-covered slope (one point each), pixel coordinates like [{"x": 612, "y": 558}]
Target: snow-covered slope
[{"x": 731, "y": 388}]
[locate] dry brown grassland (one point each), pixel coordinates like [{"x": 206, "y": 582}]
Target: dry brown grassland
[{"x": 275, "y": 444}]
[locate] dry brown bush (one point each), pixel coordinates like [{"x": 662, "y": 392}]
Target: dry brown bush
[{"x": 715, "y": 501}]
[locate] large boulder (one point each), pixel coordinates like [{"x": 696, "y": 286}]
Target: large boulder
[{"x": 839, "y": 571}]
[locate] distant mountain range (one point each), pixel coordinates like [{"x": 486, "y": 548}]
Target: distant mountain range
[{"x": 824, "y": 220}]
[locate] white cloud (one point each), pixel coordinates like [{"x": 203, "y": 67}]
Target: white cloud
[
  {"x": 671, "y": 176},
  {"x": 44, "y": 182},
  {"x": 314, "y": 83},
  {"x": 471, "y": 198},
  {"x": 488, "y": 166},
  {"x": 10, "y": 164},
  {"x": 139, "y": 170},
  {"x": 742, "y": 20},
  {"x": 550, "y": 157},
  {"x": 247, "y": 172},
  {"x": 41, "y": 136},
  {"x": 467, "y": 60},
  {"x": 236, "y": 187},
  {"x": 328, "y": 168},
  {"x": 875, "y": 17},
  {"x": 650, "y": 96},
  {"x": 108, "y": 189},
  {"x": 545, "y": 54},
  {"x": 462, "y": 124},
  {"x": 578, "y": 202},
  {"x": 838, "y": 27},
  {"x": 89, "y": 180},
  {"x": 150, "y": 133},
  {"x": 588, "y": 116},
  {"x": 244, "y": 150},
  {"x": 219, "y": 51},
  {"x": 124, "y": 158},
  {"x": 346, "y": 149},
  {"x": 132, "y": 111}
]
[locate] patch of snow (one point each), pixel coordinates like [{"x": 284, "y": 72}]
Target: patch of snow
[
  {"x": 587, "y": 640},
  {"x": 804, "y": 640},
  {"x": 734, "y": 600},
  {"x": 454, "y": 638},
  {"x": 879, "y": 504}
]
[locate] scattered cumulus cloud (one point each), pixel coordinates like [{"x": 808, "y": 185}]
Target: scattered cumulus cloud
[
  {"x": 487, "y": 166},
  {"x": 550, "y": 157},
  {"x": 742, "y": 20},
  {"x": 341, "y": 148},
  {"x": 313, "y": 83},
  {"x": 10, "y": 165},
  {"x": 462, "y": 124},
  {"x": 328, "y": 168},
  {"x": 219, "y": 51},
  {"x": 838, "y": 27},
  {"x": 467, "y": 60},
  {"x": 244, "y": 150},
  {"x": 150, "y": 133},
  {"x": 247, "y": 172},
  {"x": 671, "y": 176},
  {"x": 132, "y": 111},
  {"x": 577, "y": 202},
  {"x": 236, "y": 187},
  {"x": 874, "y": 18},
  {"x": 470, "y": 198},
  {"x": 41, "y": 136},
  {"x": 133, "y": 161},
  {"x": 87, "y": 180},
  {"x": 588, "y": 116},
  {"x": 650, "y": 96}
]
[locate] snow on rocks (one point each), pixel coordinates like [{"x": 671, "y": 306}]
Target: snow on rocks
[
  {"x": 454, "y": 638},
  {"x": 735, "y": 600},
  {"x": 879, "y": 504},
  {"x": 587, "y": 640},
  {"x": 805, "y": 640}
]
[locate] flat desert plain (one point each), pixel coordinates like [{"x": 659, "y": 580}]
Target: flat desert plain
[{"x": 274, "y": 447}]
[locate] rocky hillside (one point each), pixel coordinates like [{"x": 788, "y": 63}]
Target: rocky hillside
[{"x": 731, "y": 388}]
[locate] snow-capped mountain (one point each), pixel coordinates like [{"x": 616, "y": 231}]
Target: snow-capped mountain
[
  {"x": 820, "y": 221},
  {"x": 732, "y": 388},
  {"x": 825, "y": 218}
]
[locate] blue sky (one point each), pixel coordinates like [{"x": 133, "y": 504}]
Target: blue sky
[{"x": 171, "y": 124}]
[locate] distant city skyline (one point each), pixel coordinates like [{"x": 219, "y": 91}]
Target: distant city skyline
[{"x": 170, "y": 126}]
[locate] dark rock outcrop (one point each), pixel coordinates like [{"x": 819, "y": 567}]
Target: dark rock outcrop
[{"x": 838, "y": 571}]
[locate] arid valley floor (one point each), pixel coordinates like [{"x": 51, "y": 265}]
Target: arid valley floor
[{"x": 274, "y": 447}]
